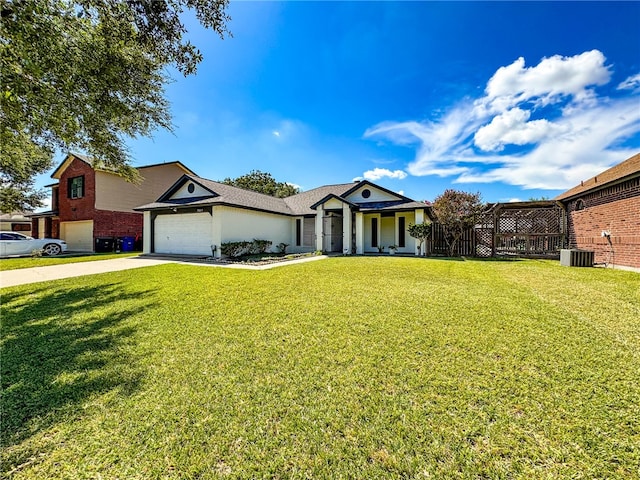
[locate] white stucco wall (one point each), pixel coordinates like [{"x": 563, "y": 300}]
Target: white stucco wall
[
  {"x": 237, "y": 224},
  {"x": 198, "y": 191},
  {"x": 387, "y": 232},
  {"x": 332, "y": 203},
  {"x": 367, "y": 232},
  {"x": 409, "y": 241},
  {"x": 376, "y": 195}
]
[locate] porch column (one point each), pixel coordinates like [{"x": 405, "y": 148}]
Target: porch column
[
  {"x": 346, "y": 229},
  {"x": 146, "y": 232},
  {"x": 359, "y": 233},
  {"x": 419, "y": 219},
  {"x": 319, "y": 232}
]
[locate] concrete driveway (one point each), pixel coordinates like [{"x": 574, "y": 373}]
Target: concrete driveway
[{"x": 11, "y": 278}]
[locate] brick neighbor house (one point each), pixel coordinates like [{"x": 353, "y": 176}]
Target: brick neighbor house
[
  {"x": 90, "y": 203},
  {"x": 603, "y": 214}
]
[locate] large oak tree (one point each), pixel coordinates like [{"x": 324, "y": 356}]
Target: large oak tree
[
  {"x": 87, "y": 75},
  {"x": 263, "y": 182}
]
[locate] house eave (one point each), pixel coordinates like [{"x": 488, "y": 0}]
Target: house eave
[
  {"x": 48, "y": 213},
  {"x": 596, "y": 188}
]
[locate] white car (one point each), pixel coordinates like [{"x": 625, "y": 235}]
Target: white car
[{"x": 14, "y": 243}]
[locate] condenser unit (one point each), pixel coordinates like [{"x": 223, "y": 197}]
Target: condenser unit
[{"x": 576, "y": 258}]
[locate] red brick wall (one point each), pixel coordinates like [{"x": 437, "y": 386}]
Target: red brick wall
[
  {"x": 616, "y": 209},
  {"x": 116, "y": 224},
  {"x": 105, "y": 223},
  {"x": 55, "y": 228},
  {"x": 34, "y": 228},
  {"x": 71, "y": 209}
]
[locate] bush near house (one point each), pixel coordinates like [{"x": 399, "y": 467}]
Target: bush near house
[{"x": 239, "y": 249}]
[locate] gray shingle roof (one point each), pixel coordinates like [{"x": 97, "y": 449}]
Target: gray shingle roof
[{"x": 299, "y": 204}]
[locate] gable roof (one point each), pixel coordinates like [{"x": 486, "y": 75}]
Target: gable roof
[
  {"x": 365, "y": 183},
  {"x": 97, "y": 165},
  {"x": 628, "y": 168},
  {"x": 300, "y": 204},
  {"x": 221, "y": 194}
]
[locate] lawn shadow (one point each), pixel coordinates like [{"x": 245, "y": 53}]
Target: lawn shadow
[{"x": 61, "y": 346}]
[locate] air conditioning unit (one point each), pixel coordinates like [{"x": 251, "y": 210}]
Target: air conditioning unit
[{"x": 576, "y": 258}]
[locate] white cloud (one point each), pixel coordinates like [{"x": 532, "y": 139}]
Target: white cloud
[
  {"x": 579, "y": 139},
  {"x": 548, "y": 82},
  {"x": 378, "y": 173},
  {"x": 276, "y": 133},
  {"x": 631, "y": 83},
  {"x": 512, "y": 127}
]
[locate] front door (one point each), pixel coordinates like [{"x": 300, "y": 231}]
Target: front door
[{"x": 332, "y": 233}]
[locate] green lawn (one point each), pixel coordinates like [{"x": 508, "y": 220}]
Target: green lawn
[
  {"x": 28, "y": 262},
  {"x": 363, "y": 368}
]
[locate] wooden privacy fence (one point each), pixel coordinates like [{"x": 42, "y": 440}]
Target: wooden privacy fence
[{"x": 525, "y": 229}]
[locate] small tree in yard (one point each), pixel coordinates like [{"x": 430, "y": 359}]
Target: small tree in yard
[
  {"x": 456, "y": 211},
  {"x": 421, "y": 232}
]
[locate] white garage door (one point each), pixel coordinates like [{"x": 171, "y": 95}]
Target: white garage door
[
  {"x": 183, "y": 233},
  {"x": 78, "y": 235}
]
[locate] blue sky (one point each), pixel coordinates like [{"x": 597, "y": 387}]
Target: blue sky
[{"x": 511, "y": 99}]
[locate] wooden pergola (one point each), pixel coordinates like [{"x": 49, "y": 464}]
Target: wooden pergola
[{"x": 524, "y": 229}]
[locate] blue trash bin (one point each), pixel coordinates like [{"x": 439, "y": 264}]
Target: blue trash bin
[{"x": 127, "y": 244}]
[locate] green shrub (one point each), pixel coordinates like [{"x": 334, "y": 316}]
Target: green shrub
[
  {"x": 239, "y": 249},
  {"x": 259, "y": 246},
  {"x": 235, "y": 249}
]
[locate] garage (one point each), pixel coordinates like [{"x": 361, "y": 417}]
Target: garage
[
  {"x": 78, "y": 235},
  {"x": 183, "y": 233}
]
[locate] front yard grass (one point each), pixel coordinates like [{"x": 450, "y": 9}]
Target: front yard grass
[
  {"x": 373, "y": 367},
  {"x": 29, "y": 262}
]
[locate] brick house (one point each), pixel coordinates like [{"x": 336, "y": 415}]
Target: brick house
[
  {"x": 603, "y": 214},
  {"x": 90, "y": 202}
]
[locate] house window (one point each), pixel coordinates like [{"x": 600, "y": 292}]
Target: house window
[
  {"x": 76, "y": 187},
  {"x": 366, "y": 193},
  {"x": 374, "y": 232},
  {"x": 298, "y": 232},
  {"x": 401, "y": 232},
  {"x": 580, "y": 204}
]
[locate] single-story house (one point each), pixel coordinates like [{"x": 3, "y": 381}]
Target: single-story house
[
  {"x": 196, "y": 216},
  {"x": 603, "y": 214}
]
